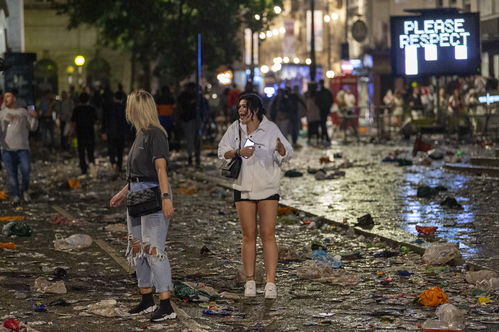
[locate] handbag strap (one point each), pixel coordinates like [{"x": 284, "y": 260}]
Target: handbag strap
[{"x": 239, "y": 127}]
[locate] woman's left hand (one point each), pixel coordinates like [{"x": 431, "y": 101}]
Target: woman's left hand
[
  {"x": 280, "y": 147},
  {"x": 167, "y": 208}
]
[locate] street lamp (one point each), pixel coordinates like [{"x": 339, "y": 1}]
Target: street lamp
[
  {"x": 277, "y": 10},
  {"x": 79, "y": 60},
  {"x": 257, "y": 17}
]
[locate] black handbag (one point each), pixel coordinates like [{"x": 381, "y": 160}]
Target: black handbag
[
  {"x": 141, "y": 203},
  {"x": 232, "y": 168}
]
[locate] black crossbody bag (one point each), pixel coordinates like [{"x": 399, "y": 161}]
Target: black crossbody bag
[
  {"x": 143, "y": 202},
  {"x": 232, "y": 168}
]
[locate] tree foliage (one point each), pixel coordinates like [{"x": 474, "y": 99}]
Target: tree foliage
[{"x": 165, "y": 31}]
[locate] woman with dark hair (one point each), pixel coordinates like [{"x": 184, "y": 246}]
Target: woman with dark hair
[{"x": 256, "y": 190}]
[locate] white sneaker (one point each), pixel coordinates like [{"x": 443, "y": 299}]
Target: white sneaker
[
  {"x": 270, "y": 291},
  {"x": 26, "y": 196},
  {"x": 250, "y": 288}
]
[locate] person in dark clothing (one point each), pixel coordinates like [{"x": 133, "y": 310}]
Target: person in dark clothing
[
  {"x": 166, "y": 103},
  {"x": 324, "y": 100},
  {"x": 83, "y": 120},
  {"x": 297, "y": 109},
  {"x": 190, "y": 122},
  {"x": 114, "y": 130},
  {"x": 280, "y": 112}
]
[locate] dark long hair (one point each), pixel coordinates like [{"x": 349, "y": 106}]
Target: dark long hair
[{"x": 255, "y": 104}]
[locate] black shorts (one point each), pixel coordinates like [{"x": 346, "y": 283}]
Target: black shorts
[{"x": 237, "y": 198}]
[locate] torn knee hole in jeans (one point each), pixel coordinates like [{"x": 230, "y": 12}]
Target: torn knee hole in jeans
[{"x": 137, "y": 248}]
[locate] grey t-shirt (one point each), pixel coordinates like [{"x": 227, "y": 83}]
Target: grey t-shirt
[{"x": 149, "y": 145}]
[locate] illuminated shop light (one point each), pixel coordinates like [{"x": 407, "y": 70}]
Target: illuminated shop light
[
  {"x": 257, "y": 17},
  {"x": 308, "y": 61},
  {"x": 327, "y": 18},
  {"x": 264, "y": 69},
  {"x": 285, "y": 59},
  {"x": 262, "y": 35},
  {"x": 277, "y": 10},
  {"x": 269, "y": 91},
  {"x": 330, "y": 74},
  {"x": 296, "y": 60},
  {"x": 334, "y": 16}
]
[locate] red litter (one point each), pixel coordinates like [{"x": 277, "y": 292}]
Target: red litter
[{"x": 426, "y": 230}]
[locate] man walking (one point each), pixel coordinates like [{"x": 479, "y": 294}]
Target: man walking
[
  {"x": 15, "y": 124},
  {"x": 83, "y": 120}
]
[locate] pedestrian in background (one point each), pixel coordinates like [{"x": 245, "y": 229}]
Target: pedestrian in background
[
  {"x": 15, "y": 125},
  {"x": 114, "y": 130},
  {"x": 187, "y": 107},
  {"x": 313, "y": 115},
  {"x": 48, "y": 112},
  {"x": 256, "y": 190},
  {"x": 280, "y": 112},
  {"x": 297, "y": 111},
  {"x": 147, "y": 169},
  {"x": 64, "y": 113},
  {"x": 324, "y": 100},
  {"x": 83, "y": 121}
]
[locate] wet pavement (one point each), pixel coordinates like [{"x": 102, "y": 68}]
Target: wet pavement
[
  {"x": 367, "y": 293},
  {"x": 388, "y": 192}
]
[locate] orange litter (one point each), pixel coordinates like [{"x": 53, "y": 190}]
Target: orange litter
[
  {"x": 433, "y": 297},
  {"x": 73, "y": 183},
  {"x": 3, "y": 195},
  {"x": 12, "y": 218},
  {"x": 8, "y": 245}
]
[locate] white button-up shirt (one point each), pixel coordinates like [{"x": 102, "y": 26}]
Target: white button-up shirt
[{"x": 261, "y": 173}]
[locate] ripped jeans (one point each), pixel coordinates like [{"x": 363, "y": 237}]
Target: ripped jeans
[{"x": 146, "y": 251}]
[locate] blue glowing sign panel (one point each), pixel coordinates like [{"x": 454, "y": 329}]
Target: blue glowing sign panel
[{"x": 437, "y": 44}]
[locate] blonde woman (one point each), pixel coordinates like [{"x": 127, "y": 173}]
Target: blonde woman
[{"x": 147, "y": 172}]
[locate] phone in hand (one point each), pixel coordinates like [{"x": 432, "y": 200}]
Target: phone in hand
[
  {"x": 249, "y": 142},
  {"x": 31, "y": 108}
]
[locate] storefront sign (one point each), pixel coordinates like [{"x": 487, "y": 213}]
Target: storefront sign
[{"x": 444, "y": 44}]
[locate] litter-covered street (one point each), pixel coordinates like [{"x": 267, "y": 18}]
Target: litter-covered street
[{"x": 330, "y": 278}]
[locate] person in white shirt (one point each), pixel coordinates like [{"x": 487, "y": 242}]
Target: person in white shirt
[
  {"x": 15, "y": 125},
  {"x": 256, "y": 190}
]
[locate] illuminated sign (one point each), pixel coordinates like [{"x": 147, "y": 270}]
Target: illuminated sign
[
  {"x": 435, "y": 44},
  {"x": 488, "y": 99}
]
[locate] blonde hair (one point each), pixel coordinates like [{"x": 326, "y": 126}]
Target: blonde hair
[{"x": 141, "y": 111}]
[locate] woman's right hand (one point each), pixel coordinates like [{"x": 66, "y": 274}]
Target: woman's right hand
[
  {"x": 247, "y": 151},
  {"x": 117, "y": 199}
]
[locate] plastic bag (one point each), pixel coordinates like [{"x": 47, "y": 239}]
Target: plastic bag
[
  {"x": 42, "y": 285},
  {"x": 441, "y": 253},
  {"x": 449, "y": 318},
  {"x": 75, "y": 241}
]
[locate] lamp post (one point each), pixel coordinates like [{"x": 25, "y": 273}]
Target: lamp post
[
  {"x": 313, "y": 65},
  {"x": 79, "y": 61}
]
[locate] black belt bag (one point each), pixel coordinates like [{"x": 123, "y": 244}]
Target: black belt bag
[{"x": 144, "y": 202}]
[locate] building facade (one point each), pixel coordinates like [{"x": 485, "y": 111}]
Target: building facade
[{"x": 56, "y": 49}]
